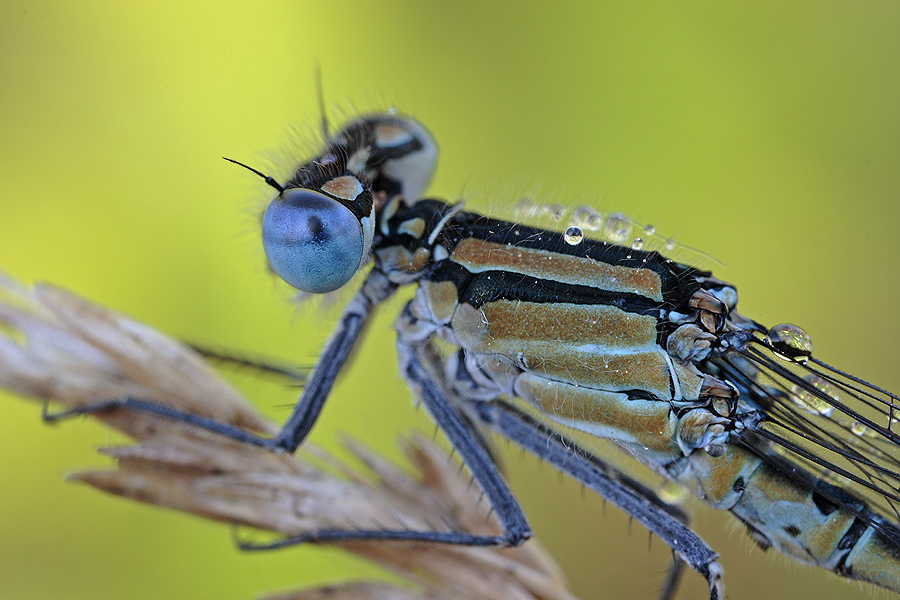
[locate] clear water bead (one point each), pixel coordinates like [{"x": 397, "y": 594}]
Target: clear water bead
[
  {"x": 554, "y": 212},
  {"x": 637, "y": 244},
  {"x": 791, "y": 342},
  {"x": 671, "y": 493},
  {"x": 809, "y": 396},
  {"x": 586, "y": 218},
  {"x": 573, "y": 235},
  {"x": 617, "y": 228},
  {"x": 524, "y": 209}
]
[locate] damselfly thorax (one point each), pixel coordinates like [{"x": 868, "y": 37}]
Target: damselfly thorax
[{"x": 531, "y": 333}]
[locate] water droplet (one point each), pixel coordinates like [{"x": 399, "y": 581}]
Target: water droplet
[
  {"x": 649, "y": 229},
  {"x": 833, "y": 478},
  {"x": 573, "y": 235},
  {"x": 392, "y": 110},
  {"x": 638, "y": 243},
  {"x": 809, "y": 396},
  {"x": 524, "y": 209},
  {"x": 554, "y": 211},
  {"x": 858, "y": 428},
  {"x": 790, "y": 341},
  {"x": 586, "y": 218},
  {"x": 671, "y": 493},
  {"x": 670, "y": 244},
  {"x": 617, "y": 228}
]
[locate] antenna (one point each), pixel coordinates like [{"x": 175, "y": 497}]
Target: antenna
[{"x": 269, "y": 180}]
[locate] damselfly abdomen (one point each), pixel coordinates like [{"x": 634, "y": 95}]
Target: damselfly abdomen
[{"x": 533, "y": 333}]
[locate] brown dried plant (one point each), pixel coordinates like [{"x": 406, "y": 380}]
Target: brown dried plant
[{"x": 62, "y": 349}]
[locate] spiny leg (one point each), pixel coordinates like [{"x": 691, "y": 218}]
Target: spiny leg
[
  {"x": 162, "y": 410},
  {"x": 375, "y": 289},
  {"x": 414, "y": 367},
  {"x": 256, "y": 364},
  {"x": 635, "y": 499}
]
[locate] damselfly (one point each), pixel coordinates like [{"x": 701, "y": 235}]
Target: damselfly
[{"x": 536, "y": 334}]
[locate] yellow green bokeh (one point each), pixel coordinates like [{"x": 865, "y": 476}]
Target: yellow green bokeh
[{"x": 766, "y": 134}]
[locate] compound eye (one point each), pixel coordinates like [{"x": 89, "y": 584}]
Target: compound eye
[{"x": 312, "y": 242}]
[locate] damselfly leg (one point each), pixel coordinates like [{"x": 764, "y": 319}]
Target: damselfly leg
[{"x": 661, "y": 519}]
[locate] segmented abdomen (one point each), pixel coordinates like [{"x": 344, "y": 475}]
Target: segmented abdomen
[{"x": 799, "y": 516}]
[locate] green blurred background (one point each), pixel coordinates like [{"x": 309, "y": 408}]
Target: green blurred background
[{"x": 766, "y": 134}]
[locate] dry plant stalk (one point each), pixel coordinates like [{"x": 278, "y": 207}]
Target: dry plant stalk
[{"x": 58, "y": 347}]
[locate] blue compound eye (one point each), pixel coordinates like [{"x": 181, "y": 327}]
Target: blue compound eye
[{"x": 312, "y": 242}]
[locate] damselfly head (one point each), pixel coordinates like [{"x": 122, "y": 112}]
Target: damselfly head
[
  {"x": 314, "y": 240},
  {"x": 317, "y": 233}
]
